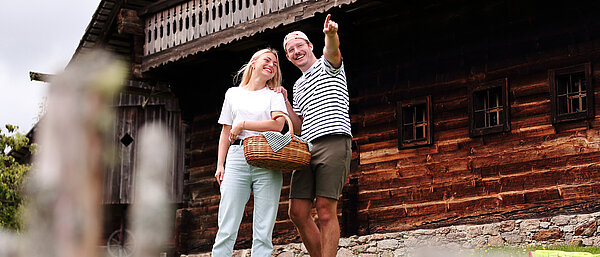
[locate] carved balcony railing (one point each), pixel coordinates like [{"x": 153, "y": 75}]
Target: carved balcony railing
[{"x": 197, "y": 18}]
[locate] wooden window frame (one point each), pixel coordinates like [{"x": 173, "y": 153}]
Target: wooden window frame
[
  {"x": 505, "y": 126},
  {"x": 428, "y": 140},
  {"x": 589, "y": 89}
]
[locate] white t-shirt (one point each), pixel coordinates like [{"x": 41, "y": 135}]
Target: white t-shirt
[{"x": 245, "y": 105}]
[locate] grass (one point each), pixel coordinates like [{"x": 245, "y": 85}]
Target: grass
[
  {"x": 524, "y": 252},
  {"x": 573, "y": 248}
]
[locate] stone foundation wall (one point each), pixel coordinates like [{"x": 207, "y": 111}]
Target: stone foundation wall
[{"x": 564, "y": 229}]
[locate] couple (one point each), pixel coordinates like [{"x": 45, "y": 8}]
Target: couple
[{"x": 319, "y": 112}]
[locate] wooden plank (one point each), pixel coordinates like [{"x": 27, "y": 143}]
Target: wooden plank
[
  {"x": 543, "y": 195},
  {"x": 163, "y": 30},
  {"x": 374, "y": 188},
  {"x": 379, "y": 115},
  {"x": 533, "y": 107},
  {"x": 449, "y": 124},
  {"x": 580, "y": 191},
  {"x": 477, "y": 205},
  {"x": 551, "y": 149},
  {"x": 366, "y": 137},
  {"x": 203, "y": 17},
  {"x": 535, "y": 88},
  {"x": 544, "y": 164},
  {"x": 159, "y": 6}
]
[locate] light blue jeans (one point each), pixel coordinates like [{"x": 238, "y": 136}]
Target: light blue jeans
[{"x": 239, "y": 180}]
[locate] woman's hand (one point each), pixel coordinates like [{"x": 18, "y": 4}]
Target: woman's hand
[
  {"x": 236, "y": 130},
  {"x": 219, "y": 174}
]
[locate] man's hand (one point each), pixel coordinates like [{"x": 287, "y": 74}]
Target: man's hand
[
  {"x": 330, "y": 27},
  {"x": 282, "y": 90},
  {"x": 331, "y": 51}
]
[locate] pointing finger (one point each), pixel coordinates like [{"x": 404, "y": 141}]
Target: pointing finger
[{"x": 327, "y": 20}]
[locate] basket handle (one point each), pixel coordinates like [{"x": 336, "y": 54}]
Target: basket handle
[{"x": 289, "y": 122}]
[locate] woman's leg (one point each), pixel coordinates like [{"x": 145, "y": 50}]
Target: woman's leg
[
  {"x": 235, "y": 192},
  {"x": 266, "y": 185}
]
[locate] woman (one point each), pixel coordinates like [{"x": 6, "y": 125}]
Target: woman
[{"x": 247, "y": 110}]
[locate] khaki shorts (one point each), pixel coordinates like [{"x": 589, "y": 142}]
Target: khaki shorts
[{"x": 328, "y": 169}]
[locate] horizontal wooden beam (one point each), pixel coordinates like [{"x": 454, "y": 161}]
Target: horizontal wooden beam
[
  {"x": 148, "y": 92},
  {"x": 37, "y": 76},
  {"x": 159, "y": 6}
]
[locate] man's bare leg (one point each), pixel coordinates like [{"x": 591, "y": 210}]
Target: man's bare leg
[
  {"x": 329, "y": 225},
  {"x": 299, "y": 212}
]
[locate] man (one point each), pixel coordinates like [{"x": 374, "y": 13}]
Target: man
[{"x": 320, "y": 113}]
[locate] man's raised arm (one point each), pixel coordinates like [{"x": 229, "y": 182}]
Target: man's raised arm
[{"x": 331, "y": 51}]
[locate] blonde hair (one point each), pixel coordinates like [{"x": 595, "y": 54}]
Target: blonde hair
[{"x": 247, "y": 69}]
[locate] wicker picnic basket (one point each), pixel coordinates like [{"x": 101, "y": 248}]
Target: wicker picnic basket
[{"x": 293, "y": 156}]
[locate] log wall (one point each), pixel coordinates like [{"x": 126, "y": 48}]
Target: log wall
[
  {"x": 395, "y": 51},
  {"x": 536, "y": 168}
]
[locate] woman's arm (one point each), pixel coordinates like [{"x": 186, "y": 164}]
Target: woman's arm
[
  {"x": 224, "y": 144},
  {"x": 260, "y": 126}
]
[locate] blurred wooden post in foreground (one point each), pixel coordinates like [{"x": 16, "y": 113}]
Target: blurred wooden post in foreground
[
  {"x": 8, "y": 244},
  {"x": 151, "y": 215},
  {"x": 63, "y": 214}
]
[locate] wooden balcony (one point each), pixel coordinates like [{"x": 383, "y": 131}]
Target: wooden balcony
[{"x": 195, "y": 26}]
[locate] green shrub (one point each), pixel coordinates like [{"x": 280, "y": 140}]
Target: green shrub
[{"x": 12, "y": 176}]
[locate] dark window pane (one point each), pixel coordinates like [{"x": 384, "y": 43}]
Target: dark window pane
[
  {"x": 408, "y": 133},
  {"x": 575, "y": 86},
  {"x": 495, "y": 98},
  {"x": 479, "y": 117},
  {"x": 415, "y": 124},
  {"x": 420, "y": 132},
  {"x": 479, "y": 99},
  {"x": 562, "y": 84},
  {"x": 574, "y": 105},
  {"x": 571, "y": 93},
  {"x": 492, "y": 119},
  {"x": 578, "y": 82},
  {"x": 420, "y": 113},
  {"x": 407, "y": 114},
  {"x": 562, "y": 104},
  {"x": 488, "y": 107}
]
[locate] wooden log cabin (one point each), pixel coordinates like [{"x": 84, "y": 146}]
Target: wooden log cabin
[{"x": 462, "y": 111}]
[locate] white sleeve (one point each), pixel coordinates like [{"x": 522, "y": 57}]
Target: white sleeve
[
  {"x": 226, "y": 117},
  {"x": 329, "y": 69},
  {"x": 278, "y": 104}
]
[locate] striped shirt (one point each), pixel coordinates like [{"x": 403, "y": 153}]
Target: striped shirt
[{"x": 321, "y": 98}]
